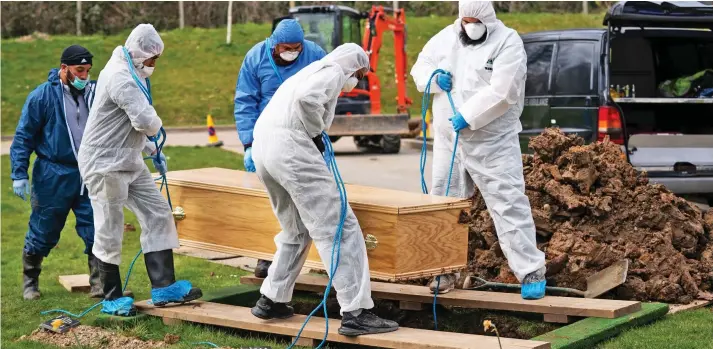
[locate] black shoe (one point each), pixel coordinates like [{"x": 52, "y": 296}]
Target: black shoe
[
  {"x": 31, "y": 268},
  {"x": 261, "y": 268},
  {"x": 266, "y": 309},
  {"x": 160, "y": 268},
  {"x": 365, "y": 323}
]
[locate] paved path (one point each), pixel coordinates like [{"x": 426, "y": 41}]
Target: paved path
[{"x": 394, "y": 171}]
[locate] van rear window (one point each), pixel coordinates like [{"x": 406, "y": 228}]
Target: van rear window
[
  {"x": 539, "y": 64},
  {"x": 574, "y": 68}
]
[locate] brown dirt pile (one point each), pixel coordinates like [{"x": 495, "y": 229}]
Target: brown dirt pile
[
  {"x": 91, "y": 337},
  {"x": 592, "y": 208}
]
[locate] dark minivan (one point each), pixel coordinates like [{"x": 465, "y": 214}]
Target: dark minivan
[{"x": 599, "y": 82}]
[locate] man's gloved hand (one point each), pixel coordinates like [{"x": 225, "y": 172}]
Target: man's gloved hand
[
  {"x": 21, "y": 187},
  {"x": 162, "y": 166},
  {"x": 444, "y": 81},
  {"x": 319, "y": 143},
  {"x": 248, "y": 160},
  {"x": 458, "y": 122}
]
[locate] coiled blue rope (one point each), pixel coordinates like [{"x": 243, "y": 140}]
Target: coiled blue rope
[
  {"x": 424, "y": 149},
  {"x": 336, "y": 245},
  {"x": 164, "y": 182}
]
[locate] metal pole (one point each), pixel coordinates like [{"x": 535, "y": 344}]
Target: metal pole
[
  {"x": 180, "y": 15},
  {"x": 230, "y": 21},
  {"x": 79, "y": 18}
]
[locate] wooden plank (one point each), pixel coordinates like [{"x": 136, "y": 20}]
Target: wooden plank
[
  {"x": 697, "y": 304},
  {"x": 360, "y": 197},
  {"x": 586, "y": 333},
  {"x": 75, "y": 283},
  {"x": 240, "y": 317},
  {"x": 558, "y": 318},
  {"x": 583, "y": 307}
]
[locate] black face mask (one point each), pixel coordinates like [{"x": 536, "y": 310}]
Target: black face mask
[{"x": 467, "y": 41}]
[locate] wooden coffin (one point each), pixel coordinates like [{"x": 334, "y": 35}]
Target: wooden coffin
[{"x": 408, "y": 235}]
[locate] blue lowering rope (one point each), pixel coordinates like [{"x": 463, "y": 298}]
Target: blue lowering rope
[
  {"x": 424, "y": 149},
  {"x": 336, "y": 245},
  {"x": 164, "y": 182}
]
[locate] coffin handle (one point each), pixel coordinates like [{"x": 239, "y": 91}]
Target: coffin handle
[{"x": 371, "y": 242}]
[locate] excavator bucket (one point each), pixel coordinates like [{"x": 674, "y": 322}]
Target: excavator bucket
[{"x": 368, "y": 124}]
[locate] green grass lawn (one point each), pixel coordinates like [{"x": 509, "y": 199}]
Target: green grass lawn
[
  {"x": 20, "y": 317},
  {"x": 196, "y": 75}
]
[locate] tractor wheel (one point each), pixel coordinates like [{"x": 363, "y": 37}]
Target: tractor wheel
[{"x": 390, "y": 144}]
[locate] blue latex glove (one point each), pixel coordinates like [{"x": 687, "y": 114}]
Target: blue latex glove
[
  {"x": 161, "y": 166},
  {"x": 444, "y": 81},
  {"x": 21, "y": 187},
  {"x": 535, "y": 290},
  {"x": 458, "y": 122},
  {"x": 248, "y": 160}
]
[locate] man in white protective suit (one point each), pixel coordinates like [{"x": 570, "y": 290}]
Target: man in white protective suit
[
  {"x": 112, "y": 166},
  {"x": 290, "y": 157},
  {"x": 486, "y": 67}
]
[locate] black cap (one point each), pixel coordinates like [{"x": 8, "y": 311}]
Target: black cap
[{"x": 76, "y": 55}]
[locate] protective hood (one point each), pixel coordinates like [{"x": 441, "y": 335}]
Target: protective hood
[
  {"x": 482, "y": 10},
  {"x": 350, "y": 57},
  {"x": 288, "y": 31},
  {"x": 143, "y": 43}
]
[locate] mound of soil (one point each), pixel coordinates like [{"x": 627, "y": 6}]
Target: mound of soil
[
  {"x": 91, "y": 337},
  {"x": 592, "y": 208}
]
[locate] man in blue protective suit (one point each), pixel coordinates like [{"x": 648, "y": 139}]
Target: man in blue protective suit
[
  {"x": 265, "y": 67},
  {"x": 52, "y": 125}
]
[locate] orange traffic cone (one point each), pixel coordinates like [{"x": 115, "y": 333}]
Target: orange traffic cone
[{"x": 212, "y": 136}]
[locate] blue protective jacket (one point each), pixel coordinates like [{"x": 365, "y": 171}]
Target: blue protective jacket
[
  {"x": 43, "y": 129},
  {"x": 258, "y": 81}
]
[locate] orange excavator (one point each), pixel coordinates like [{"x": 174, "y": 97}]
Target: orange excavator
[{"x": 359, "y": 112}]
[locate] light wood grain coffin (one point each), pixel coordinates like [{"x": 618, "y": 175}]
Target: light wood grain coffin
[{"x": 409, "y": 235}]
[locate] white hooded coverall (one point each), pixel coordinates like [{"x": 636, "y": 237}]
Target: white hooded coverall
[
  {"x": 489, "y": 91},
  {"x": 302, "y": 190},
  {"x": 111, "y": 161}
]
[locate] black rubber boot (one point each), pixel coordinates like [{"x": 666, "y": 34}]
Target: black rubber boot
[
  {"x": 261, "y": 268},
  {"x": 31, "y": 268},
  {"x": 110, "y": 278},
  {"x": 160, "y": 268},
  {"x": 96, "y": 289},
  {"x": 365, "y": 323},
  {"x": 266, "y": 309}
]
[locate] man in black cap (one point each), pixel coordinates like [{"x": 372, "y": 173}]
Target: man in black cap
[{"x": 52, "y": 125}]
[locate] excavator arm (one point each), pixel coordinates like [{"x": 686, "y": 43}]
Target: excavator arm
[{"x": 378, "y": 22}]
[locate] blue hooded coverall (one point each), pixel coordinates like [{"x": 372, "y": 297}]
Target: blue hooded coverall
[
  {"x": 258, "y": 81},
  {"x": 56, "y": 184}
]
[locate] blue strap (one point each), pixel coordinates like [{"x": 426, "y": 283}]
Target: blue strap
[
  {"x": 145, "y": 89},
  {"x": 268, "y": 53}
]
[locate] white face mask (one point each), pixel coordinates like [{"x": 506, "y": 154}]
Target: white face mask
[
  {"x": 289, "y": 56},
  {"x": 144, "y": 71},
  {"x": 475, "y": 30},
  {"x": 350, "y": 84}
]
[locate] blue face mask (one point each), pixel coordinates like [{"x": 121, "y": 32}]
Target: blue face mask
[{"x": 80, "y": 84}]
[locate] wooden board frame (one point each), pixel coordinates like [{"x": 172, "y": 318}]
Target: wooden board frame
[
  {"x": 240, "y": 317},
  {"x": 418, "y": 235},
  {"x": 568, "y": 306}
]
